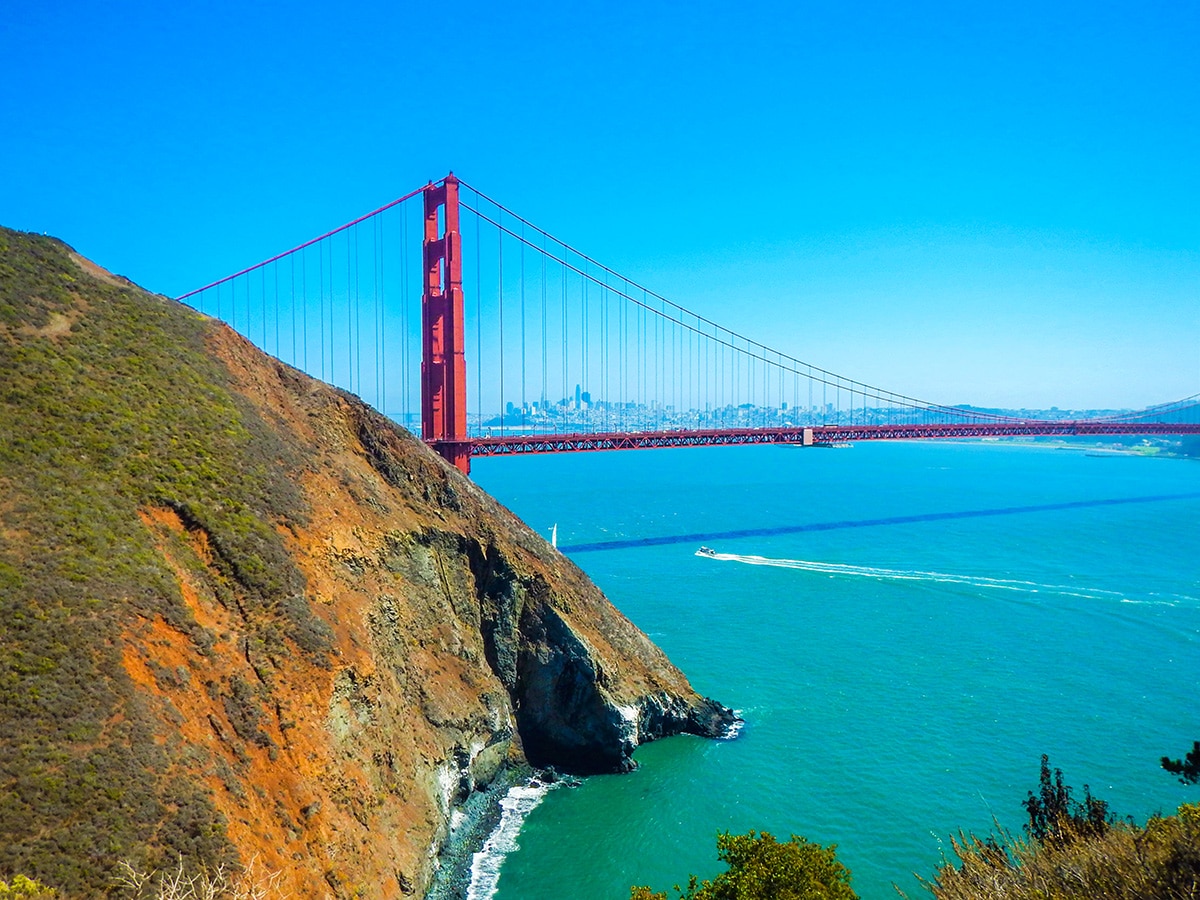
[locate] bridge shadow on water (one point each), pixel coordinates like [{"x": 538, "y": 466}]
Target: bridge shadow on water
[{"x": 704, "y": 537}]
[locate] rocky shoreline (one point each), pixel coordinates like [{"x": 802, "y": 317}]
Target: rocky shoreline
[
  {"x": 477, "y": 821},
  {"x": 477, "y": 818},
  {"x": 480, "y": 817}
]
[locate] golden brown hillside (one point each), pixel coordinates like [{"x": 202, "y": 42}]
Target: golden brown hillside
[{"x": 242, "y": 614}]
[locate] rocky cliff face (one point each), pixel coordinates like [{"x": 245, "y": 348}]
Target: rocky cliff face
[{"x": 245, "y": 616}]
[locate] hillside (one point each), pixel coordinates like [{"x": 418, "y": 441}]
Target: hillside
[{"x": 245, "y": 616}]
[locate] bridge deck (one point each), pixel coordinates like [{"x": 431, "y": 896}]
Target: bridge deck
[{"x": 507, "y": 445}]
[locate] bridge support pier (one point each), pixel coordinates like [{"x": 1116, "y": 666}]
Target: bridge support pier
[{"x": 443, "y": 365}]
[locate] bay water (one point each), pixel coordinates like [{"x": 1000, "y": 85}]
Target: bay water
[{"x": 906, "y": 628}]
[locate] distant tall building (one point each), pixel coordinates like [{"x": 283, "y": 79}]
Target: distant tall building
[{"x": 578, "y": 397}]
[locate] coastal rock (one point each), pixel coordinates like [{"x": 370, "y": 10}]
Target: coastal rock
[
  {"x": 261, "y": 621},
  {"x": 570, "y": 711}
]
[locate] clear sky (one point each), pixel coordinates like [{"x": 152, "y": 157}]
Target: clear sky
[{"x": 987, "y": 203}]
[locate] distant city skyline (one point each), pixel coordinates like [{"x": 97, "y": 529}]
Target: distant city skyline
[{"x": 993, "y": 206}]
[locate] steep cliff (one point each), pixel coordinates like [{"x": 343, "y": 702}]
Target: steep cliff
[{"x": 245, "y": 616}]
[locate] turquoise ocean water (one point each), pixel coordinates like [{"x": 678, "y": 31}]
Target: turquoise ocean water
[{"x": 908, "y": 628}]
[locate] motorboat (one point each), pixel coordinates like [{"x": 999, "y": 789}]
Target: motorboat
[{"x": 706, "y": 551}]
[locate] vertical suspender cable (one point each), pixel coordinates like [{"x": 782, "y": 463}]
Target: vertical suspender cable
[
  {"x": 404, "y": 295},
  {"x": 566, "y": 346},
  {"x": 622, "y": 359},
  {"x": 606, "y": 359},
  {"x": 357, "y": 309},
  {"x": 586, "y": 341},
  {"x": 478, "y": 323},
  {"x": 545, "y": 371},
  {"x": 321, "y": 285},
  {"x": 381, "y": 300},
  {"x": 500, "y": 294},
  {"x": 292, "y": 262},
  {"x": 351, "y": 314},
  {"x": 332, "y": 320},
  {"x": 304, "y": 309},
  {"x": 523, "y": 399}
]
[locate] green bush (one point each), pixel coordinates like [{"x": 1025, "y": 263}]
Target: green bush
[
  {"x": 761, "y": 868},
  {"x": 1054, "y": 816},
  {"x": 22, "y": 888},
  {"x": 1188, "y": 768}
]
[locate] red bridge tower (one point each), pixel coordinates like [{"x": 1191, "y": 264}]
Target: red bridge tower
[{"x": 443, "y": 366}]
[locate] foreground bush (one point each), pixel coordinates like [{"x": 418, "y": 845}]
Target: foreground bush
[
  {"x": 1056, "y": 817},
  {"x": 22, "y": 888},
  {"x": 1188, "y": 768},
  {"x": 1158, "y": 862},
  {"x": 761, "y": 868}
]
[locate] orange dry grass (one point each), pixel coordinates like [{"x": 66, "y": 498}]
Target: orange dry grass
[{"x": 1158, "y": 862}]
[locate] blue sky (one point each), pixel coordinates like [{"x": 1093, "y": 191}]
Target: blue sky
[{"x": 968, "y": 203}]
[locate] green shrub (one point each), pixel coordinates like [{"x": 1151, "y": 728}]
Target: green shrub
[
  {"x": 1188, "y": 768},
  {"x": 1055, "y": 817},
  {"x": 22, "y": 888},
  {"x": 761, "y": 868}
]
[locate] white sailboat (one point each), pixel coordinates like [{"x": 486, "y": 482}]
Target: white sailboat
[{"x": 554, "y": 536}]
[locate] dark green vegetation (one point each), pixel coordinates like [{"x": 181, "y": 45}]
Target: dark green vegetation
[
  {"x": 761, "y": 868},
  {"x": 1054, "y": 817},
  {"x": 110, "y": 405},
  {"x": 1072, "y": 850},
  {"x": 1188, "y": 768}
]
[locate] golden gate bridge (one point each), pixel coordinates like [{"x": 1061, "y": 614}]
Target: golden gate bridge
[{"x": 564, "y": 353}]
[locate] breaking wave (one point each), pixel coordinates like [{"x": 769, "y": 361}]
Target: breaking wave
[
  {"x": 514, "y": 807},
  {"x": 735, "y": 728}
]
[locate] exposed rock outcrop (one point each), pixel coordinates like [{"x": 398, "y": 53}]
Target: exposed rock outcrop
[{"x": 260, "y": 620}]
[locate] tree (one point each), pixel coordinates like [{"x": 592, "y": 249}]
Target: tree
[
  {"x": 1055, "y": 817},
  {"x": 1188, "y": 768},
  {"x": 761, "y": 868}
]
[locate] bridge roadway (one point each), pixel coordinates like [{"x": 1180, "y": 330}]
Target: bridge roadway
[{"x": 817, "y": 435}]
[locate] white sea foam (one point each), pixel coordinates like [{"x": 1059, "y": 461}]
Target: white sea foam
[
  {"x": 736, "y": 728},
  {"x": 485, "y": 865},
  {"x": 978, "y": 581}
]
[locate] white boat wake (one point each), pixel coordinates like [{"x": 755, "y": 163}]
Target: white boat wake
[{"x": 976, "y": 581}]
